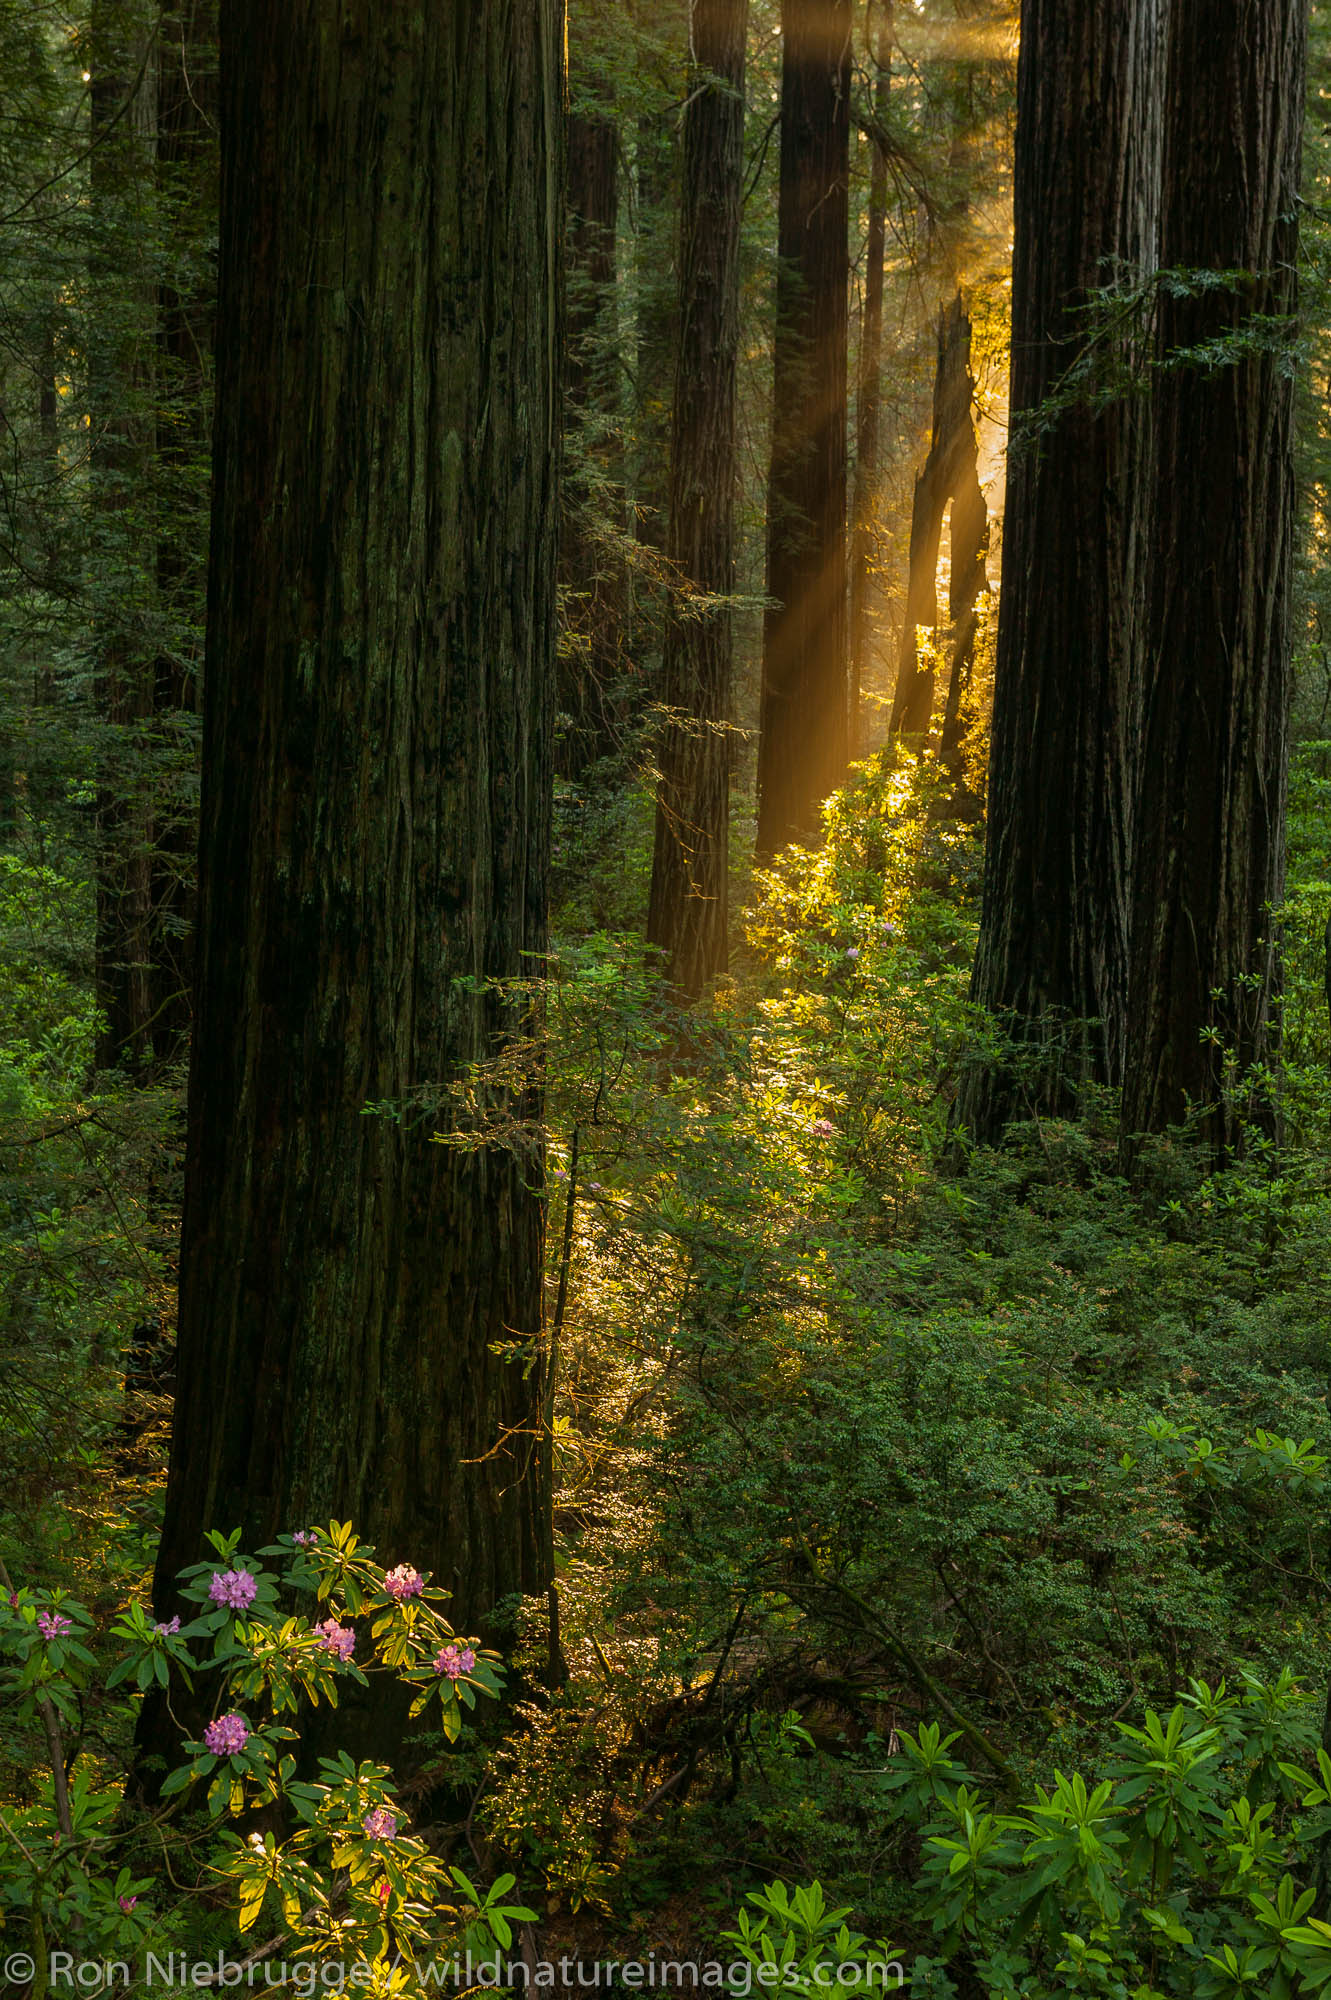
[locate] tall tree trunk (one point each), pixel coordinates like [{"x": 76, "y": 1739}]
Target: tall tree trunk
[
  {"x": 1052, "y": 957},
  {"x": 593, "y": 213},
  {"x": 688, "y": 913},
  {"x": 592, "y": 656},
  {"x": 360, "y": 1307},
  {"x": 967, "y": 584},
  {"x": 27, "y": 780},
  {"x": 950, "y": 476},
  {"x": 869, "y": 385},
  {"x": 48, "y": 431},
  {"x": 1209, "y": 868},
  {"x": 187, "y": 167},
  {"x": 804, "y": 720},
  {"x": 123, "y": 445},
  {"x": 658, "y": 194}
]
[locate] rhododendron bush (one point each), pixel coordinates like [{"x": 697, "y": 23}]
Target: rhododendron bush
[{"x": 343, "y": 1870}]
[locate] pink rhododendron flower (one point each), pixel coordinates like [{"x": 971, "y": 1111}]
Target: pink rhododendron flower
[
  {"x": 339, "y": 1639},
  {"x": 303, "y": 1537},
  {"x": 127, "y": 1903},
  {"x": 381, "y": 1824},
  {"x": 166, "y": 1631},
  {"x": 823, "y": 1128},
  {"x": 226, "y": 1736},
  {"x": 235, "y": 1588},
  {"x": 54, "y": 1624},
  {"x": 404, "y": 1581}
]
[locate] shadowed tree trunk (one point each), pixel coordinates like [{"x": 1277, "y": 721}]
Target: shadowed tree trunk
[
  {"x": 803, "y": 731},
  {"x": 121, "y": 454},
  {"x": 967, "y": 584},
  {"x": 950, "y": 477},
  {"x": 688, "y": 911},
  {"x": 360, "y": 1307},
  {"x": 593, "y": 210},
  {"x": 657, "y": 193},
  {"x": 187, "y": 166},
  {"x": 869, "y": 385},
  {"x": 591, "y": 661},
  {"x": 32, "y": 786},
  {"x": 1053, "y": 937},
  {"x": 1210, "y": 855}
]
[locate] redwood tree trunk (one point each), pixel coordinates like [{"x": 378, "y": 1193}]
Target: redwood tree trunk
[
  {"x": 869, "y": 384},
  {"x": 360, "y": 1307},
  {"x": 657, "y": 196},
  {"x": 950, "y": 475},
  {"x": 804, "y": 721},
  {"x": 593, "y": 210},
  {"x": 121, "y": 458},
  {"x": 1052, "y": 956},
  {"x": 1210, "y": 855},
  {"x": 688, "y": 913},
  {"x": 968, "y": 582},
  {"x": 187, "y": 170},
  {"x": 591, "y": 662}
]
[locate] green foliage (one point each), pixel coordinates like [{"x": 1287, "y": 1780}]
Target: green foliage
[
  {"x": 1179, "y": 1869},
  {"x": 799, "y": 1944},
  {"x": 840, "y": 1427},
  {"x": 82, "y": 1260}
]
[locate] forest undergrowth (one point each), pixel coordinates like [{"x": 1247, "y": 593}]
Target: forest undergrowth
[{"x": 893, "y": 1477}]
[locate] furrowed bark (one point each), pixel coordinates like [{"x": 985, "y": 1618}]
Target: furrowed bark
[
  {"x": 869, "y": 383},
  {"x": 1052, "y": 958},
  {"x": 950, "y": 475},
  {"x": 1209, "y": 870},
  {"x": 803, "y": 742},
  {"x": 360, "y": 1307},
  {"x": 688, "y": 911}
]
